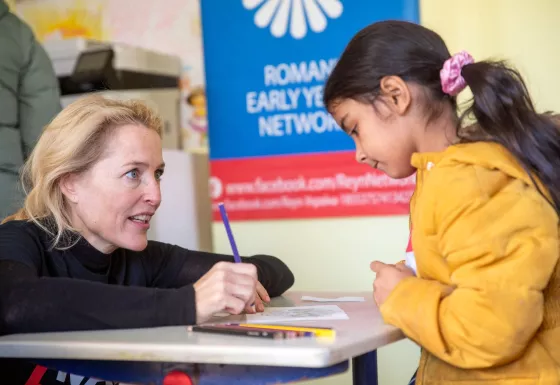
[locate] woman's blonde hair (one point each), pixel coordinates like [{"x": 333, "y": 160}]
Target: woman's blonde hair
[{"x": 72, "y": 143}]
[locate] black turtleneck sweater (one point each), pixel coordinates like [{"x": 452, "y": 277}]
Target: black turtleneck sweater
[{"x": 44, "y": 290}]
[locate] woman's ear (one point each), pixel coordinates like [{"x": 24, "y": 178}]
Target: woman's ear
[
  {"x": 397, "y": 93},
  {"x": 68, "y": 186}
]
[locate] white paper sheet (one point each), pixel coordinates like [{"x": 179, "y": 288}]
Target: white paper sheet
[
  {"x": 339, "y": 299},
  {"x": 298, "y": 313}
]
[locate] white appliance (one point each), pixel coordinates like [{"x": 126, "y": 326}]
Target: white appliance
[
  {"x": 185, "y": 215},
  {"x": 120, "y": 71},
  {"x": 124, "y": 72}
]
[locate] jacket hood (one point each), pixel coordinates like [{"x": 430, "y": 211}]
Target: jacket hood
[
  {"x": 492, "y": 156},
  {"x": 489, "y": 155}
]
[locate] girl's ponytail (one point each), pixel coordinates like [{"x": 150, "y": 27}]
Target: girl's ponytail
[{"x": 505, "y": 114}]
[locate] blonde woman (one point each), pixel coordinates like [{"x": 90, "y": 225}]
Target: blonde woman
[{"x": 76, "y": 256}]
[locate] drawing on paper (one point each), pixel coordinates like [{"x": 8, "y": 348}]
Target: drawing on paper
[{"x": 299, "y": 313}]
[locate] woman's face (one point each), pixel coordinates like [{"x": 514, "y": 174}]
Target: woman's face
[{"x": 112, "y": 202}]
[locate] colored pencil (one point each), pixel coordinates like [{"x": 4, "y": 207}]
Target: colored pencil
[
  {"x": 232, "y": 243},
  {"x": 247, "y": 332},
  {"x": 317, "y": 331}
]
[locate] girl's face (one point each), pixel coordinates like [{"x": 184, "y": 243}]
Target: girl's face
[{"x": 383, "y": 137}]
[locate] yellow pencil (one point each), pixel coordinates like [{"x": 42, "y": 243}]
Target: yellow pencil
[{"x": 319, "y": 332}]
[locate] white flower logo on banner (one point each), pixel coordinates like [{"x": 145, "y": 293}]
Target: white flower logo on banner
[{"x": 298, "y": 13}]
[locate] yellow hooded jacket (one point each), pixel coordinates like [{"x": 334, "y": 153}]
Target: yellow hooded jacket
[{"x": 485, "y": 306}]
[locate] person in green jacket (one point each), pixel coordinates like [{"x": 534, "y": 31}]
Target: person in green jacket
[{"x": 29, "y": 99}]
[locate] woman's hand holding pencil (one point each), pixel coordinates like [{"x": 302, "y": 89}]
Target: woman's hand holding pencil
[
  {"x": 261, "y": 293},
  {"x": 260, "y": 297},
  {"x": 230, "y": 287}
]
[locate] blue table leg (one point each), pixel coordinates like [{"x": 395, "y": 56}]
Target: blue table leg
[{"x": 364, "y": 369}]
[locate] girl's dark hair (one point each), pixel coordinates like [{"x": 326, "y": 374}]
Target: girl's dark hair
[{"x": 501, "y": 103}]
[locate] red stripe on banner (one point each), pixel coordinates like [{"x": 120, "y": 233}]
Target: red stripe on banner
[
  {"x": 36, "y": 375},
  {"x": 305, "y": 186}
]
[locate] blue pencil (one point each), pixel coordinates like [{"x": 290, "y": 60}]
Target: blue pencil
[{"x": 229, "y": 233}]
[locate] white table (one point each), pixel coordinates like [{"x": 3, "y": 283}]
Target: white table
[{"x": 357, "y": 337}]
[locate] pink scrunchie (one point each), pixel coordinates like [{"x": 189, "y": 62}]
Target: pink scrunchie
[{"x": 451, "y": 80}]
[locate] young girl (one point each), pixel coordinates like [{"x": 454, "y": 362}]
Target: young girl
[{"x": 484, "y": 303}]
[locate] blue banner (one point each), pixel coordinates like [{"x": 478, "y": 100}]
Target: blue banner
[{"x": 266, "y": 62}]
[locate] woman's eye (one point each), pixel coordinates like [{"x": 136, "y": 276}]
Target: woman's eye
[
  {"x": 132, "y": 174},
  {"x": 159, "y": 174}
]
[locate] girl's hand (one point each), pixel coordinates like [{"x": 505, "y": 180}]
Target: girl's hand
[{"x": 387, "y": 277}]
